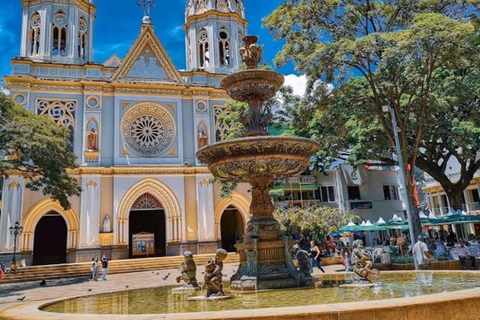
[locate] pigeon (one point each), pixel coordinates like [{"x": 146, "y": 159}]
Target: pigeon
[
  {"x": 89, "y": 290},
  {"x": 22, "y": 298},
  {"x": 43, "y": 283},
  {"x": 157, "y": 273},
  {"x": 126, "y": 287},
  {"x": 153, "y": 272},
  {"x": 166, "y": 277}
]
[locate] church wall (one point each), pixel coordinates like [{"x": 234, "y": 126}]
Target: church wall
[
  {"x": 108, "y": 131},
  {"x": 191, "y": 209},
  {"x": 189, "y": 131}
]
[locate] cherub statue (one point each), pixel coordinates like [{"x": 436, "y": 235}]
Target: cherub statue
[
  {"x": 189, "y": 271},
  {"x": 213, "y": 275},
  {"x": 362, "y": 265},
  {"x": 303, "y": 260}
]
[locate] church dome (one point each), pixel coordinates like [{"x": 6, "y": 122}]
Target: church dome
[{"x": 196, "y": 7}]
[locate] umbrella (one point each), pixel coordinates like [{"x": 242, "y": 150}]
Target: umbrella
[{"x": 380, "y": 221}]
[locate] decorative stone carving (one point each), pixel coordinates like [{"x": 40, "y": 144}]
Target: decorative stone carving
[
  {"x": 61, "y": 112},
  {"x": 265, "y": 255},
  {"x": 221, "y": 129},
  {"x": 148, "y": 129},
  {"x": 13, "y": 184},
  {"x": 189, "y": 271},
  {"x": 147, "y": 201},
  {"x": 251, "y": 52},
  {"x": 362, "y": 265},
  {"x": 213, "y": 275}
]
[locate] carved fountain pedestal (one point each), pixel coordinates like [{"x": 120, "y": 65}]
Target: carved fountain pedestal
[{"x": 265, "y": 255}]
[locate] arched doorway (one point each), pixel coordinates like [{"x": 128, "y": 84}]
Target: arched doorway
[
  {"x": 232, "y": 228},
  {"x": 50, "y": 240},
  {"x": 147, "y": 215}
]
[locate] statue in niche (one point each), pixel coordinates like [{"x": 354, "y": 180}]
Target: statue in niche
[
  {"x": 106, "y": 225},
  {"x": 213, "y": 275},
  {"x": 189, "y": 271},
  {"x": 92, "y": 140},
  {"x": 202, "y": 138}
]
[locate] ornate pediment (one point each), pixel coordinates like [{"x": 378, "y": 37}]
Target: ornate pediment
[{"x": 148, "y": 62}]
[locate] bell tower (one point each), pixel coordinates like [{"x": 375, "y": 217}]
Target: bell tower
[
  {"x": 214, "y": 33},
  {"x": 57, "y": 31}
]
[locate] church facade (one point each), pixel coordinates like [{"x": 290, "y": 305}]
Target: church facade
[{"x": 136, "y": 125}]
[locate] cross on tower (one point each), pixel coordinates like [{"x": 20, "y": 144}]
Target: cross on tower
[{"x": 147, "y": 5}]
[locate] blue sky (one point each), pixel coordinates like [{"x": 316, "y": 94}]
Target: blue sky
[{"x": 118, "y": 25}]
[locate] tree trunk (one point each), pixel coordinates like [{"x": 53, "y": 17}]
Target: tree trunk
[
  {"x": 455, "y": 198},
  {"x": 416, "y": 224}
]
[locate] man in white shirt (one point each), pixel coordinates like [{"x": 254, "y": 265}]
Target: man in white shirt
[{"x": 420, "y": 253}]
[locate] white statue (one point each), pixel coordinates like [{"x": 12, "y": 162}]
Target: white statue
[{"x": 106, "y": 225}]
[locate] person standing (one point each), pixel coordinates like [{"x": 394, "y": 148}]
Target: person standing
[
  {"x": 94, "y": 264},
  {"x": 104, "y": 261},
  {"x": 315, "y": 256},
  {"x": 420, "y": 253}
]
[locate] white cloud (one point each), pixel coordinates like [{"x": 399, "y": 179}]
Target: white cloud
[{"x": 298, "y": 83}]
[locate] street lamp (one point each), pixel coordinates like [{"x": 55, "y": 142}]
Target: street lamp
[
  {"x": 403, "y": 181},
  {"x": 15, "y": 231}
]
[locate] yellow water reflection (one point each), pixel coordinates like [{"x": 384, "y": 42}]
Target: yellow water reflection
[{"x": 161, "y": 300}]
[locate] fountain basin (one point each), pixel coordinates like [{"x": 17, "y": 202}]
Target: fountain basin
[
  {"x": 400, "y": 296},
  {"x": 253, "y": 85},
  {"x": 251, "y": 158}
]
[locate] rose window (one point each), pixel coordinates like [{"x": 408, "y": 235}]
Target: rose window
[{"x": 148, "y": 130}]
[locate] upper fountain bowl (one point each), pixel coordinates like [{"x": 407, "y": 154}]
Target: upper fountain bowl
[
  {"x": 253, "y": 85},
  {"x": 260, "y": 157}
]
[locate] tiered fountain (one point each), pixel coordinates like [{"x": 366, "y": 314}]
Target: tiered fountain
[{"x": 258, "y": 158}]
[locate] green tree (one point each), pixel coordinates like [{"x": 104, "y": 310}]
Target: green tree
[
  {"x": 38, "y": 150},
  {"x": 377, "y": 53},
  {"x": 316, "y": 222}
]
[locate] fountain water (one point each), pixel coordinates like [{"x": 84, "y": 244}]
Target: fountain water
[{"x": 265, "y": 255}]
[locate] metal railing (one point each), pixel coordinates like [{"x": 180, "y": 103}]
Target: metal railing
[
  {"x": 297, "y": 203},
  {"x": 440, "y": 212},
  {"x": 297, "y": 180},
  {"x": 470, "y": 207}
]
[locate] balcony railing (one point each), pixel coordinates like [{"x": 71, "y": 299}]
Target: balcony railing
[
  {"x": 297, "y": 204},
  {"x": 297, "y": 180},
  {"x": 440, "y": 212},
  {"x": 470, "y": 207}
]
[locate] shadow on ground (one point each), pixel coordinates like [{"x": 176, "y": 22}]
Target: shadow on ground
[{"x": 16, "y": 289}]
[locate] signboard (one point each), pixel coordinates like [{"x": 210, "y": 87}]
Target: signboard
[
  {"x": 361, "y": 205},
  {"x": 143, "y": 244}
]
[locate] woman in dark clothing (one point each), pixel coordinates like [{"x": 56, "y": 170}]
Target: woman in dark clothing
[{"x": 315, "y": 256}]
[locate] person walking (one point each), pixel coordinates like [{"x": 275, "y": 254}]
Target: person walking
[
  {"x": 315, "y": 256},
  {"x": 420, "y": 253},
  {"x": 104, "y": 261},
  {"x": 94, "y": 265}
]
